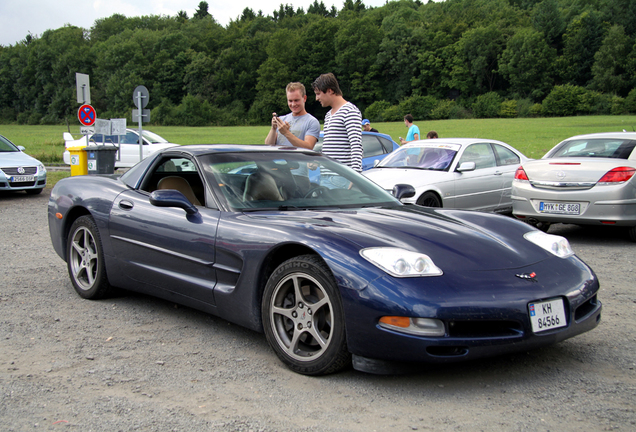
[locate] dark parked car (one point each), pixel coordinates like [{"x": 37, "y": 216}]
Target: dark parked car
[{"x": 332, "y": 276}]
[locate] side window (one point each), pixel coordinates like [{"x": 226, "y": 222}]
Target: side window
[
  {"x": 108, "y": 139},
  {"x": 371, "y": 146},
  {"x": 506, "y": 156},
  {"x": 481, "y": 154},
  {"x": 387, "y": 146},
  {"x": 130, "y": 138},
  {"x": 176, "y": 173}
]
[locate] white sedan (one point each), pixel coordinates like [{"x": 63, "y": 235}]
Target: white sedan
[
  {"x": 128, "y": 144},
  {"x": 465, "y": 173}
]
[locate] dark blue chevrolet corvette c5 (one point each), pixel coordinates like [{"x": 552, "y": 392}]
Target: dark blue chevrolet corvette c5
[{"x": 334, "y": 272}]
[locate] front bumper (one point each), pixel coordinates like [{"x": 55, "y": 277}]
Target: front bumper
[
  {"x": 38, "y": 182},
  {"x": 489, "y": 318}
]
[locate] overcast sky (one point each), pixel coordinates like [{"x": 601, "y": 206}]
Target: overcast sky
[{"x": 19, "y": 18}]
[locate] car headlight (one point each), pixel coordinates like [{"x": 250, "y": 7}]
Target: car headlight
[
  {"x": 400, "y": 262},
  {"x": 41, "y": 169},
  {"x": 554, "y": 244}
]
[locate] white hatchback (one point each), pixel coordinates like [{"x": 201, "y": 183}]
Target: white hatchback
[{"x": 128, "y": 145}]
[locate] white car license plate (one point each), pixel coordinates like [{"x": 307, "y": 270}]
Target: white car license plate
[
  {"x": 547, "y": 315},
  {"x": 560, "y": 208},
  {"x": 20, "y": 179}
]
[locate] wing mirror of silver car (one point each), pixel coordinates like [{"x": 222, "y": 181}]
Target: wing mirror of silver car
[{"x": 466, "y": 166}]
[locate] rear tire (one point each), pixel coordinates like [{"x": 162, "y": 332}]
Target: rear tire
[
  {"x": 303, "y": 317},
  {"x": 85, "y": 260},
  {"x": 429, "y": 199},
  {"x": 631, "y": 231}
]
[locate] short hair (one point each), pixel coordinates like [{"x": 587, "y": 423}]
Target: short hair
[
  {"x": 431, "y": 134},
  {"x": 325, "y": 82},
  {"x": 293, "y": 86},
  {"x": 408, "y": 118}
]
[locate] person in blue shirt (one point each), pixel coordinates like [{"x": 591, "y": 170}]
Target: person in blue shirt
[{"x": 413, "y": 133}]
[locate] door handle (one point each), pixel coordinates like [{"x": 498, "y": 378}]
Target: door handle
[{"x": 126, "y": 205}]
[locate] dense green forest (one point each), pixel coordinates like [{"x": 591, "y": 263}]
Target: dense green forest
[{"x": 435, "y": 60}]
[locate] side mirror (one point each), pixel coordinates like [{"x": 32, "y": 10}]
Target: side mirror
[
  {"x": 403, "y": 191},
  {"x": 172, "y": 198},
  {"x": 376, "y": 162},
  {"x": 466, "y": 166}
]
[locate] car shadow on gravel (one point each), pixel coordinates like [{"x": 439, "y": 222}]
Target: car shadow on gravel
[{"x": 590, "y": 234}]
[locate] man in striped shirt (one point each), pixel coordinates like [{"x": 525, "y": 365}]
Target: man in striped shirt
[{"x": 343, "y": 137}]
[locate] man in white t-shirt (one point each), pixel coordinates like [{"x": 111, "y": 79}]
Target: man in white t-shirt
[{"x": 298, "y": 128}]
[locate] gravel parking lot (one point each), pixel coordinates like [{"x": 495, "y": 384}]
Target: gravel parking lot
[{"x": 135, "y": 363}]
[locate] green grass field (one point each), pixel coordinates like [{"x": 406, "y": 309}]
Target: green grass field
[{"x": 532, "y": 136}]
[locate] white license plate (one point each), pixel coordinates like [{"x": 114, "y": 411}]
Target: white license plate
[
  {"x": 560, "y": 208},
  {"x": 547, "y": 315},
  {"x": 21, "y": 179}
]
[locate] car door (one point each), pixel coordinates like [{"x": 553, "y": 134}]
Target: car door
[
  {"x": 480, "y": 188},
  {"x": 163, "y": 248},
  {"x": 129, "y": 148}
]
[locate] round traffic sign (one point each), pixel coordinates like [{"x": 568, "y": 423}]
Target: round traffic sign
[
  {"x": 86, "y": 115},
  {"x": 141, "y": 93}
]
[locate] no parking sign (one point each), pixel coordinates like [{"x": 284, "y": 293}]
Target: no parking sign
[{"x": 86, "y": 115}]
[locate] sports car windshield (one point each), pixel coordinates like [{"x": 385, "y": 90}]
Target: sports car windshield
[
  {"x": 289, "y": 181},
  {"x": 598, "y": 147},
  {"x": 436, "y": 157}
]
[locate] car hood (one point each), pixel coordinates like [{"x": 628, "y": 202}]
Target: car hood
[
  {"x": 471, "y": 241},
  {"x": 10, "y": 159},
  {"x": 572, "y": 169},
  {"x": 389, "y": 177}
]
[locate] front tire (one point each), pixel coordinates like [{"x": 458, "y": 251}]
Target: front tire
[
  {"x": 303, "y": 317},
  {"x": 85, "y": 260},
  {"x": 429, "y": 199}
]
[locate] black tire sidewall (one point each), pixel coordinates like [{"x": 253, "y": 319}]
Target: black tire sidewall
[{"x": 429, "y": 195}]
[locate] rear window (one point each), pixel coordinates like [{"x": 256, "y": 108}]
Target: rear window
[{"x": 598, "y": 147}]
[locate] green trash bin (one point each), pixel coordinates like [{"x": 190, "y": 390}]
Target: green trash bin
[{"x": 100, "y": 159}]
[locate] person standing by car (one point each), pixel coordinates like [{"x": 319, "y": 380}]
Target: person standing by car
[
  {"x": 413, "y": 133},
  {"x": 343, "y": 137},
  {"x": 366, "y": 126},
  {"x": 298, "y": 128}
]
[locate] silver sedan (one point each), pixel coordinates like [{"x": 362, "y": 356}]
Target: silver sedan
[
  {"x": 466, "y": 173},
  {"x": 586, "y": 180}
]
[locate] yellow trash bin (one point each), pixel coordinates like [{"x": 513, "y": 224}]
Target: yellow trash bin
[{"x": 78, "y": 161}]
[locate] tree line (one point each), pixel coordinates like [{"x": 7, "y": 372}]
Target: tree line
[{"x": 435, "y": 60}]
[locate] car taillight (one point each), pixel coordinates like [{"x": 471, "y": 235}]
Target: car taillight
[
  {"x": 618, "y": 175},
  {"x": 521, "y": 174}
]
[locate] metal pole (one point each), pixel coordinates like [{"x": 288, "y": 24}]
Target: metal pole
[{"x": 141, "y": 140}]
